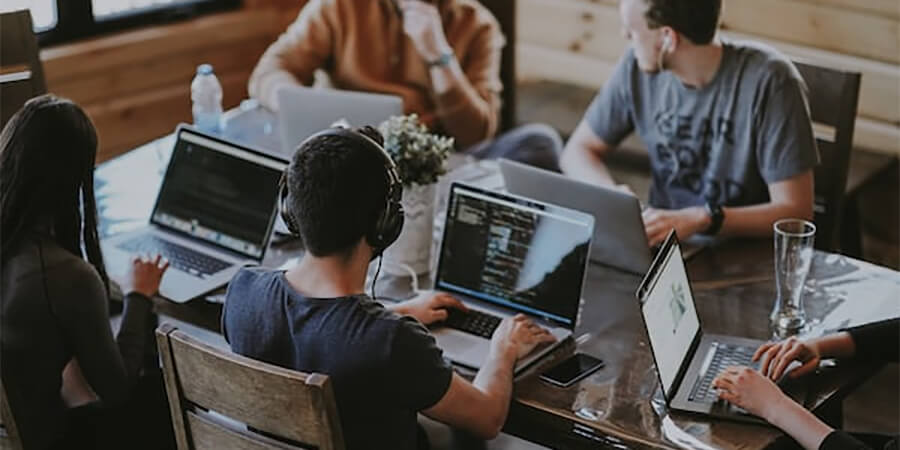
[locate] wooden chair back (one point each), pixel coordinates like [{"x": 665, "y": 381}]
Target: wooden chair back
[
  {"x": 21, "y": 71},
  {"x": 222, "y": 400},
  {"x": 833, "y": 99},
  {"x": 505, "y": 12},
  {"x": 9, "y": 434}
]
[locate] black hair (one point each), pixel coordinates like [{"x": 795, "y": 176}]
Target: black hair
[
  {"x": 337, "y": 188},
  {"x": 47, "y": 152},
  {"x": 695, "y": 19}
]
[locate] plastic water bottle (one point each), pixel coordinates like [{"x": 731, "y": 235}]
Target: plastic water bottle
[{"x": 206, "y": 95}]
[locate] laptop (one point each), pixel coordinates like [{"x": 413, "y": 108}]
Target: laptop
[
  {"x": 305, "y": 111},
  {"x": 687, "y": 359},
  {"x": 619, "y": 237},
  {"x": 502, "y": 255},
  {"x": 213, "y": 214}
]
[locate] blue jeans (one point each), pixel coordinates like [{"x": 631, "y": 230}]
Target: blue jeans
[{"x": 535, "y": 144}]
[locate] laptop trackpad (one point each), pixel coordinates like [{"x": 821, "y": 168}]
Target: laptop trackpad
[{"x": 462, "y": 348}]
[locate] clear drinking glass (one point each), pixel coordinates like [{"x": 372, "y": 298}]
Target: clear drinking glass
[{"x": 793, "y": 256}]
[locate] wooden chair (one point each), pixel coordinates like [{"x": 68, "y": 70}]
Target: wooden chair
[
  {"x": 9, "y": 434},
  {"x": 222, "y": 400},
  {"x": 21, "y": 71},
  {"x": 505, "y": 12},
  {"x": 833, "y": 99}
]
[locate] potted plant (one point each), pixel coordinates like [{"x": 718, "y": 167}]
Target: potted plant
[{"x": 421, "y": 158}]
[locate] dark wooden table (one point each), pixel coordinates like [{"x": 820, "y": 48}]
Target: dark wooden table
[{"x": 620, "y": 405}]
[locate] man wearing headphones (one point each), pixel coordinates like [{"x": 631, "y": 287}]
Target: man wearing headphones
[
  {"x": 726, "y": 124},
  {"x": 342, "y": 197}
]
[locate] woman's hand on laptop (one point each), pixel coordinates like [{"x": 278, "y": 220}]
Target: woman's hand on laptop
[
  {"x": 144, "y": 275},
  {"x": 517, "y": 336},
  {"x": 750, "y": 390},
  {"x": 428, "y": 307},
  {"x": 776, "y": 357}
]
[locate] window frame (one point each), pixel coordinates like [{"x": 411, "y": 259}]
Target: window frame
[{"x": 75, "y": 18}]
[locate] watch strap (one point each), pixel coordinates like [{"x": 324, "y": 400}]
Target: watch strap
[
  {"x": 716, "y": 216},
  {"x": 442, "y": 61}
]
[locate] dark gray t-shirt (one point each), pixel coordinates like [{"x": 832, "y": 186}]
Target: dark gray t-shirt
[
  {"x": 384, "y": 367},
  {"x": 724, "y": 142}
]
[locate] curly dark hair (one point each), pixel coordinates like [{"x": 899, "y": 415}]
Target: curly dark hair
[{"x": 695, "y": 19}]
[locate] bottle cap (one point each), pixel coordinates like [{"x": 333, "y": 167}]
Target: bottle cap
[{"x": 205, "y": 69}]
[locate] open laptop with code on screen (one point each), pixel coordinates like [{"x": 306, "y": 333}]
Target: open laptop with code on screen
[
  {"x": 214, "y": 213},
  {"x": 502, "y": 255}
]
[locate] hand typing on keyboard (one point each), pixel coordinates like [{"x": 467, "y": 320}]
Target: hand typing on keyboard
[
  {"x": 517, "y": 336},
  {"x": 751, "y": 390},
  {"x": 776, "y": 358},
  {"x": 144, "y": 275},
  {"x": 429, "y": 307}
]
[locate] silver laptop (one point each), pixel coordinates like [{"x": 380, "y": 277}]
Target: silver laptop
[
  {"x": 502, "y": 255},
  {"x": 213, "y": 214},
  {"x": 687, "y": 359},
  {"x": 304, "y": 111},
  {"x": 619, "y": 237}
]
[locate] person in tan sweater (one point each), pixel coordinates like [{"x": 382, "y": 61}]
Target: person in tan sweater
[{"x": 441, "y": 56}]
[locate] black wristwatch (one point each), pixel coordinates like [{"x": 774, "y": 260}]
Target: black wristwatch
[{"x": 716, "y": 216}]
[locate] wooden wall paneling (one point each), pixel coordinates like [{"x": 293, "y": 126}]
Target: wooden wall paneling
[
  {"x": 155, "y": 43},
  {"x": 155, "y": 73},
  {"x": 132, "y": 121},
  {"x": 885, "y": 8},
  {"x": 574, "y": 26},
  {"x": 877, "y": 136},
  {"x": 828, "y": 27}
]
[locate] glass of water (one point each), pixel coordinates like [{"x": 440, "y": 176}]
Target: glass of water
[{"x": 793, "y": 256}]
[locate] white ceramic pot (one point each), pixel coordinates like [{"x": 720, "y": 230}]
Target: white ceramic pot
[{"x": 412, "y": 250}]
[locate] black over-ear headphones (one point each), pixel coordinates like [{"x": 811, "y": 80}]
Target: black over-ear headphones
[{"x": 389, "y": 220}]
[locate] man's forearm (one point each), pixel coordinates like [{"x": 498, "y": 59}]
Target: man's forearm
[
  {"x": 757, "y": 220},
  {"x": 495, "y": 380}
]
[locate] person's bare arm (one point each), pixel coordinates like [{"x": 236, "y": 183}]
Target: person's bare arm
[
  {"x": 759, "y": 395},
  {"x": 789, "y": 198},
  {"x": 481, "y": 407},
  {"x": 583, "y": 156}
]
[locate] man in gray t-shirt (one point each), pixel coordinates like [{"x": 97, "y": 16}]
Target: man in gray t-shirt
[{"x": 726, "y": 124}]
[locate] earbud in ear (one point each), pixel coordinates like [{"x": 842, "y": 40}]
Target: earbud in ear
[{"x": 667, "y": 43}]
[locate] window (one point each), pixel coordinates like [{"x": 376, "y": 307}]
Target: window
[
  {"x": 64, "y": 20},
  {"x": 43, "y": 12}
]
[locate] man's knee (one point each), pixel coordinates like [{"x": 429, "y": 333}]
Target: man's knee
[{"x": 538, "y": 136}]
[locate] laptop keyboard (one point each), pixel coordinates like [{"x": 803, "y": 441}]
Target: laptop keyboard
[
  {"x": 180, "y": 257},
  {"x": 472, "y": 322},
  {"x": 724, "y": 356}
]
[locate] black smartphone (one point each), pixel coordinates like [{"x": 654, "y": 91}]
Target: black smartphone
[{"x": 572, "y": 369}]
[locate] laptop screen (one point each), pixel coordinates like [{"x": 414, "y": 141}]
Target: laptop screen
[
  {"x": 517, "y": 253},
  {"x": 219, "y": 193},
  {"x": 669, "y": 312}
]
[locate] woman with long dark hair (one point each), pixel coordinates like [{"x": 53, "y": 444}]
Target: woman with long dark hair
[{"x": 54, "y": 288}]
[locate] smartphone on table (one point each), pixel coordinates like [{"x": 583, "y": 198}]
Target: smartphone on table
[{"x": 573, "y": 369}]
